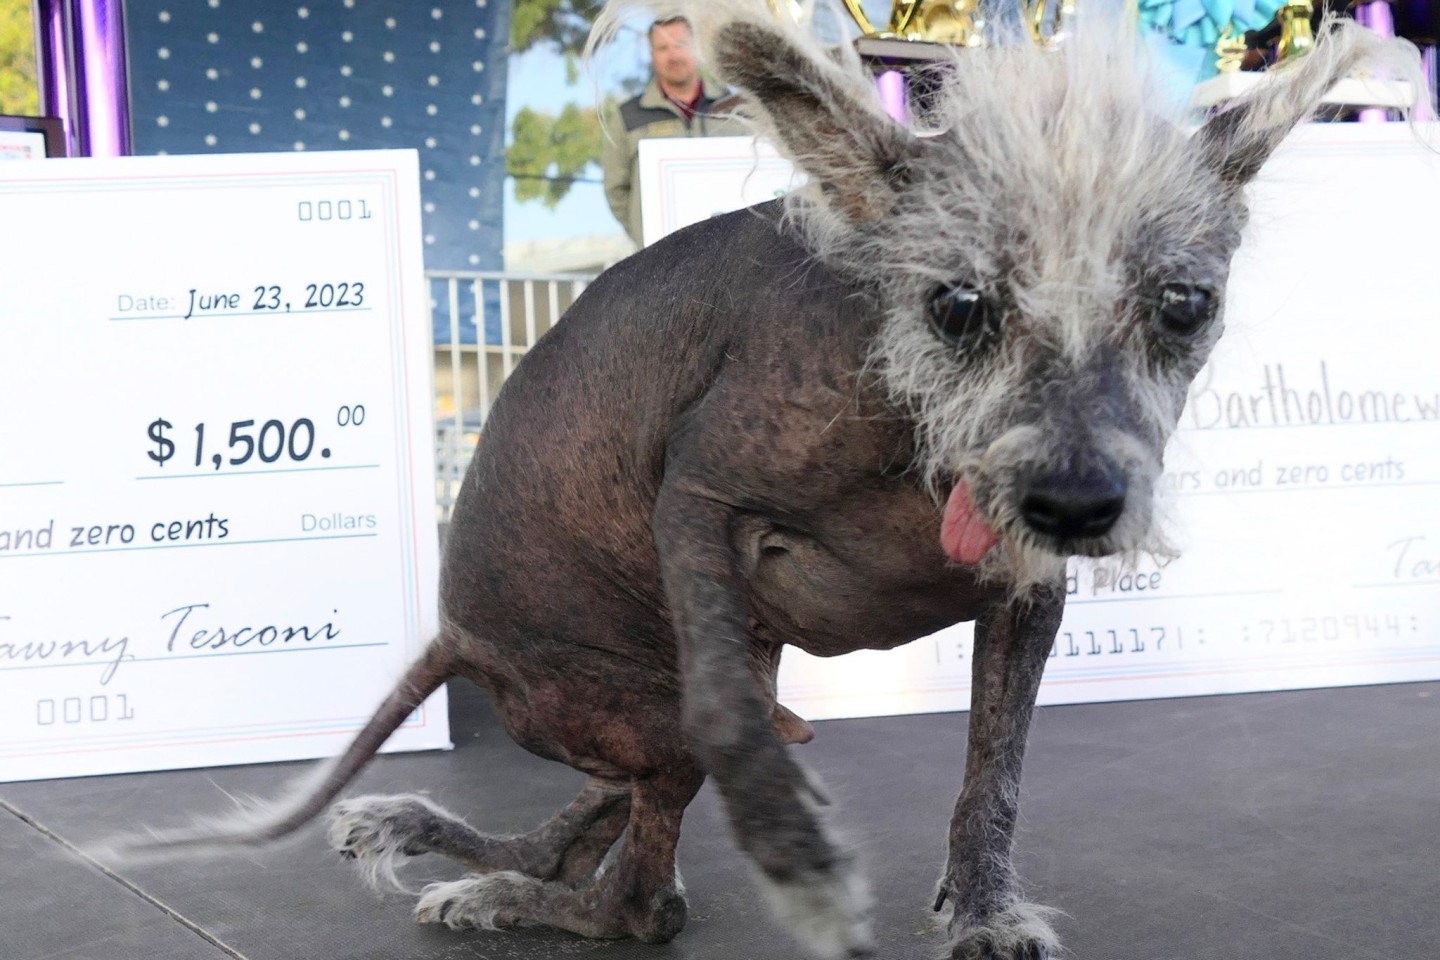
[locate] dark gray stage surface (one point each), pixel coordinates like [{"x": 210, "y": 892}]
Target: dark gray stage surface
[{"x": 1292, "y": 826}]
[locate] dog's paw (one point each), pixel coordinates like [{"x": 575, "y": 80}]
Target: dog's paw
[
  {"x": 988, "y": 951},
  {"x": 1022, "y": 932},
  {"x": 489, "y": 902},
  {"x": 375, "y": 827},
  {"x": 827, "y": 911},
  {"x": 380, "y": 833}
]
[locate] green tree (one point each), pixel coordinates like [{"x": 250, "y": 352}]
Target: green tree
[
  {"x": 18, "y": 91},
  {"x": 548, "y": 154},
  {"x": 561, "y": 25}
]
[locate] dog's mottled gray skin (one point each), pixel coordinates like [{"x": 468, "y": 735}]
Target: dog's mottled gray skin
[{"x": 742, "y": 438}]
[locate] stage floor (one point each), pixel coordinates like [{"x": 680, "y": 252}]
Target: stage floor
[{"x": 1290, "y": 826}]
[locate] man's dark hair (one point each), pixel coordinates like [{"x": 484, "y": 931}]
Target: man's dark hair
[{"x": 665, "y": 22}]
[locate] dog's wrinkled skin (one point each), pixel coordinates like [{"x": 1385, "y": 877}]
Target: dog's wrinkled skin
[{"x": 751, "y": 435}]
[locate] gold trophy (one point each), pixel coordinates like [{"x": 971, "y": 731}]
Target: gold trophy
[
  {"x": 948, "y": 23},
  {"x": 954, "y": 22},
  {"x": 924, "y": 31},
  {"x": 1296, "y": 38},
  {"x": 917, "y": 32}
]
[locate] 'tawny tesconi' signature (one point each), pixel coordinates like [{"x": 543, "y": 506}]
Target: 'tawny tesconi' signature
[{"x": 182, "y": 630}]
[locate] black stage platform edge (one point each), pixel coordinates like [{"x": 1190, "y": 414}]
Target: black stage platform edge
[{"x": 1284, "y": 826}]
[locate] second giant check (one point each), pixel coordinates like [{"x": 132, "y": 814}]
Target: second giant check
[{"x": 1303, "y": 483}]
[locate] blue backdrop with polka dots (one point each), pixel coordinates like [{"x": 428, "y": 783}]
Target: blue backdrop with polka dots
[{"x": 235, "y": 76}]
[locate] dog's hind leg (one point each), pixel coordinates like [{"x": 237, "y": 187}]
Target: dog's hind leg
[
  {"x": 989, "y": 918},
  {"x": 638, "y": 894},
  {"x": 380, "y": 830}
]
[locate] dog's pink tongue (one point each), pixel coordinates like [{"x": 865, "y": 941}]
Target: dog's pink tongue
[{"x": 964, "y": 537}]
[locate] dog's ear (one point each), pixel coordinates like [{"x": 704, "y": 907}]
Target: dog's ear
[
  {"x": 1237, "y": 142},
  {"x": 821, "y": 111}
]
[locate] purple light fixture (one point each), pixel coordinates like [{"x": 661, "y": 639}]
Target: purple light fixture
[
  {"x": 1429, "y": 58},
  {"x": 1378, "y": 17},
  {"x": 84, "y": 78},
  {"x": 52, "y": 53},
  {"x": 892, "y": 94}
]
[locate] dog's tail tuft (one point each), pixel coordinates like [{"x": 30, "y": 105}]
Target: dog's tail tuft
[{"x": 259, "y": 822}]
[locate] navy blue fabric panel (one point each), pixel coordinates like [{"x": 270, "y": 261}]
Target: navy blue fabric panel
[{"x": 236, "y": 76}]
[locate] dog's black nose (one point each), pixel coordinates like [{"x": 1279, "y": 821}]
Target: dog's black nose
[{"x": 1070, "y": 505}]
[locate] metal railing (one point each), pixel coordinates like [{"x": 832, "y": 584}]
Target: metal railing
[{"x": 484, "y": 322}]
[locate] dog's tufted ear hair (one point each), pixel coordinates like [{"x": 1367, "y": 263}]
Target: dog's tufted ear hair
[
  {"x": 1237, "y": 142},
  {"x": 821, "y": 111}
]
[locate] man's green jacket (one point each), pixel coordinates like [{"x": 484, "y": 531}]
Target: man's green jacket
[{"x": 647, "y": 116}]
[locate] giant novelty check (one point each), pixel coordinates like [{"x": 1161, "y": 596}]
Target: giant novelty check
[{"x": 217, "y": 513}]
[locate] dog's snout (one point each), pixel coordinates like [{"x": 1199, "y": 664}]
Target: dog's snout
[{"x": 1069, "y": 506}]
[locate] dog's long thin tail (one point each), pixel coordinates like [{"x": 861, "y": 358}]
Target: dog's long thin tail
[{"x": 260, "y": 822}]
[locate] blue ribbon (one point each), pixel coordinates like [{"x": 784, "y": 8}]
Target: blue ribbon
[{"x": 1201, "y": 22}]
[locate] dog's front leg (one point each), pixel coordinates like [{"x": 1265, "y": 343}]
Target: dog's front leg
[
  {"x": 812, "y": 881},
  {"x": 989, "y": 919}
]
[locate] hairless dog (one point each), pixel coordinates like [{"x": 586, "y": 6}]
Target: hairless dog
[{"x": 898, "y": 400}]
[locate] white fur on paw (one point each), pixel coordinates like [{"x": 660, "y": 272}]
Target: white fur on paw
[
  {"x": 367, "y": 829},
  {"x": 1021, "y": 932},
  {"x": 479, "y": 901},
  {"x": 828, "y": 912}
]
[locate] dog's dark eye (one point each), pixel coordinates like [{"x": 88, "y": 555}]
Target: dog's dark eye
[
  {"x": 963, "y": 318},
  {"x": 1184, "y": 309}
]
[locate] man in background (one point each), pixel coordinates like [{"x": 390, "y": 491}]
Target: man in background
[{"x": 675, "y": 103}]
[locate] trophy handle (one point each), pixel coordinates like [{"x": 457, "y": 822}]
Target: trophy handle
[
  {"x": 1040, "y": 15},
  {"x": 1037, "y": 20},
  {"x": 866, "y": 27},
  {"x": 905, "y": 11}
]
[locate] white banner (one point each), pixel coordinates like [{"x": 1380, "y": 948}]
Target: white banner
[
  {"x": 1303, "y": 483},
  {"x": 217, "y": 499}
]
